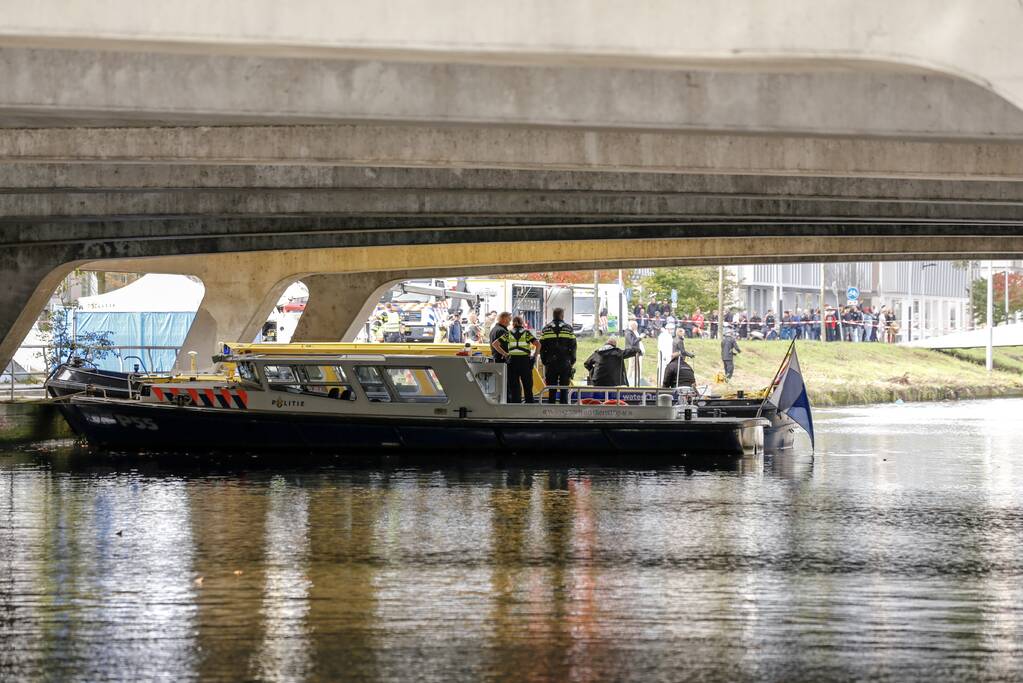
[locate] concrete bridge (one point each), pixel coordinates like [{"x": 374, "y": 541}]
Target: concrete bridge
[{"x": 350, "y": 145}]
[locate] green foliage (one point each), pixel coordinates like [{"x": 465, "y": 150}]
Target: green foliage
[
  {"x": 62, "y": 345},
  {"x": 696, "y": 287},
  {"x": 979, "y": 297}
]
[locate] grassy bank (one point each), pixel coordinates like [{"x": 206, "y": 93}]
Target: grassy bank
[
  {"x": 1009, "y": 358},
  {"x": 845, "y": 374}
]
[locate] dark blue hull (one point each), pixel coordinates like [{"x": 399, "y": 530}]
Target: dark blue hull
[{"x": 145, "y": 426}]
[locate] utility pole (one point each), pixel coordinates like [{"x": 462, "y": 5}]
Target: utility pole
[
  {"x": 909, "y": 311},
  {"x": 776, "y": 279},
  {"x": 623, "y": 317},
  {"x": 721, "y": 302},
  {"x": 989, "y": 356},
  {"x": 1006, "y": 295},
  {"x": 820, "y": 307}
]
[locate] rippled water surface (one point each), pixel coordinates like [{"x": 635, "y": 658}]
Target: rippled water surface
[{"x": 894, "y": 553}]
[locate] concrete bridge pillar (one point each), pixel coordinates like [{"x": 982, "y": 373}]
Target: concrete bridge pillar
[
  {"x": 339, "y": 304},
  {"x": 236, "y": 304},
  {"x": 30, "y": 277}
]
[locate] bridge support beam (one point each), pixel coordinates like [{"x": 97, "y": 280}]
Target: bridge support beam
[
  {"x": 30, "y": 276},
  {"x": 339, "y": 303},
  {"x": 237, "y": 301}
]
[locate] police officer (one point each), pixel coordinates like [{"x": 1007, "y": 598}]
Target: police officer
[
  {"x": 392, "y": 325},
  {"x": 516, "y": 346},
  {"x": 557, "y": 351},
  {"x": 729, "y": 347},
  {"x": 497, "y": 332}
]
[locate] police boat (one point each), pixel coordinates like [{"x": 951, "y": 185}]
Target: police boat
[{"x": 358, "y": 403}]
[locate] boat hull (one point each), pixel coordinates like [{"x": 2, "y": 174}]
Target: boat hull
[
  {"x": 135, "y": 425},
  {"x": 779, "y": 436}
]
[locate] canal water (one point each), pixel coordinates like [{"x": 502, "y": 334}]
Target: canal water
[{"x": 894, "y": 553}]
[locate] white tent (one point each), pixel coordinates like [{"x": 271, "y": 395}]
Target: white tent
[{"x": 150, "y": 293}]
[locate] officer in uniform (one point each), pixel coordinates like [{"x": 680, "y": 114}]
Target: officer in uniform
[
  {"x": 497, "y": 332},
  {"x": 392, "y": 325},
  {"x": 557, "y": 351},
  {"x": 516, "y": 346},
  {"x": 729, "y": 347}
]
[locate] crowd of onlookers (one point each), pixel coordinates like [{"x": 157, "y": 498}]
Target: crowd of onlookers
[{"x": 852, "y": 323}]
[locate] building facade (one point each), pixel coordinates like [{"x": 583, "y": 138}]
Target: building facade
[{"x": 939, "y": 292}]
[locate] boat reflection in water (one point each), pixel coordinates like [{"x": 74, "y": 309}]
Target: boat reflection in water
[
  {"x": 893, "y": 554},
  {"x": 241, "y": 568}
]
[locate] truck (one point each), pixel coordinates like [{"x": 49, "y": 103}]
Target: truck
[
  {"x": 424, "y": 306},
  {"x": 533, "y": 300},
  {"x": 610, "y": 296}
]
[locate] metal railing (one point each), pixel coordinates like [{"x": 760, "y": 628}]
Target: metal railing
[
  {"x": 611, "y": 395},
  {"x": 36, "y": 388}
]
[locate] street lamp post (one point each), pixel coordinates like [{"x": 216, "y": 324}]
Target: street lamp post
[{"x": 1006, "y": 295}]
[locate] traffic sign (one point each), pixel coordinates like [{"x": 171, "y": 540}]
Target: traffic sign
[{"x": 852, "y": 294}]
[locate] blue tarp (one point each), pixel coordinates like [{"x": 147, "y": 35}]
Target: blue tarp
[{"x": 137, "y": 330}]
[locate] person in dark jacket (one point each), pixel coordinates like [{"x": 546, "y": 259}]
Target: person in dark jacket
[
  {"x": 607, "y": 364},
  {"x": 498, "y": 331},
  {"x": 678, "y": 372},
  {"x": 633, "y": 340},
  {"x": 557, "y": 352},
  {"x": 518, "y": 346},
  {"x": 455, "y": 329},
  {"x": 729, "y": 347}
]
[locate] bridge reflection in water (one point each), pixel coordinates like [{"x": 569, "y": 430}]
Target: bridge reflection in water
[{"x": 895, "y": 550}]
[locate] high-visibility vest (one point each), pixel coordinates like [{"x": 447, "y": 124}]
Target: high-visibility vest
[
  {"x": 519, "y": 342},
  {"x": 557, "y": 330},
  {"x": 392, "y": 322}
]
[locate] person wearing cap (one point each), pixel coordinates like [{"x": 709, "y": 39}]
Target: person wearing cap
[
  {"x": 607, "y": 364},
  {"x": 729, "y": 347}
]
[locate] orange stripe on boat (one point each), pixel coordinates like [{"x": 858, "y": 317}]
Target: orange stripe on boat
[
  {"x": 211, "y": 399},
  {"x": 158, "y": 392},
  {"x": 244, "y": 398},
  {"x": 227, "y": 396},
  {"x": 194, "y": 396}
]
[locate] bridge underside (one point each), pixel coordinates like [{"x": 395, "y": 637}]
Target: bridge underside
[
  {"x": 305, "y": 156},
  {"x": 248, "y": 230}
]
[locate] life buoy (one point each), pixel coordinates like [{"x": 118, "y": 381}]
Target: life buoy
[{"x": 590, "y": 402}]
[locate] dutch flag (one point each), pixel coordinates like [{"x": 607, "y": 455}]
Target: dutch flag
[{"x": 790, "y": 395}]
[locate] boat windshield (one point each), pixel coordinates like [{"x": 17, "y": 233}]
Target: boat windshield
[
  {"x": 248, "y": 373},
  {"x": 318, "y": 380}
]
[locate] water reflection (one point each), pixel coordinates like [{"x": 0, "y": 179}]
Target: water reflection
[{"x": 895, "y": 552}]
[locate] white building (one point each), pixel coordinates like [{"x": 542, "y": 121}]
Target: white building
[{"x": 939, "y": 290}]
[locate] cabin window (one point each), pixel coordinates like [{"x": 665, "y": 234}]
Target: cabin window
[
  {"x": 416, "y": 385},
  {"x": 372, "y": 383},
  {"x": 248, "y": 373},
  {"x": 318, "y": 380}
]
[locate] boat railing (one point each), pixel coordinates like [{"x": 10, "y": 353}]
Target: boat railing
[{"x": 613, "y": 395}]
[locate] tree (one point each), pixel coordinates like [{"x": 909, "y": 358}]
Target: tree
[
  {"x": 62, "y": 345},
  {"x": 978, "y": 298},
  {"x": 696, "y": 287}
]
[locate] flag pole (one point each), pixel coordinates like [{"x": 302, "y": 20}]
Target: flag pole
[{"x": 777, "y": 374}]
